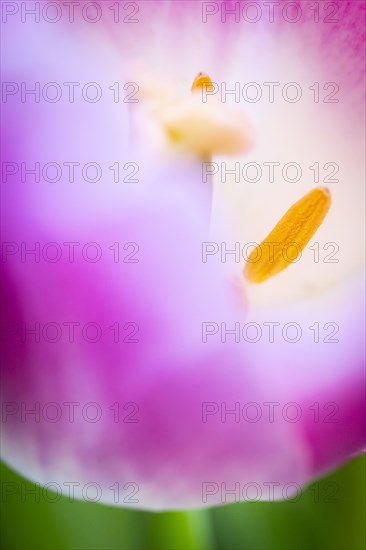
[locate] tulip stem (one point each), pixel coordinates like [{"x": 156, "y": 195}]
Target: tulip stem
[{"x": 190, "y": 530}]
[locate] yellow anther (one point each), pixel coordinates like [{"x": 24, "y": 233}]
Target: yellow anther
[
  {"x": 289, "y": 237},
  {"x": 202, "y": 81}
]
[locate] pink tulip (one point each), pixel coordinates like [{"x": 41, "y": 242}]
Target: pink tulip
[{"x": 161, "y": 379}]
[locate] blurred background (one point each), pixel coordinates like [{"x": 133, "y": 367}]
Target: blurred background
[{"x": 329, "y": 514}]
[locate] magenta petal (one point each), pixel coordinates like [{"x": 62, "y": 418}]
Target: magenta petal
[
  {"x": 340, "y": 431},
  {"x": 160, "y": 384},
  {"x": 138, "y": 406}
]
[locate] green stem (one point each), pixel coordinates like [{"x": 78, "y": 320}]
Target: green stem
[{"x": 190, "y": 530}]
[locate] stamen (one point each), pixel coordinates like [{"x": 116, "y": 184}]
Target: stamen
[
  {"x": 202, "y": 81},
  {"x": 289, "y": 237}
]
